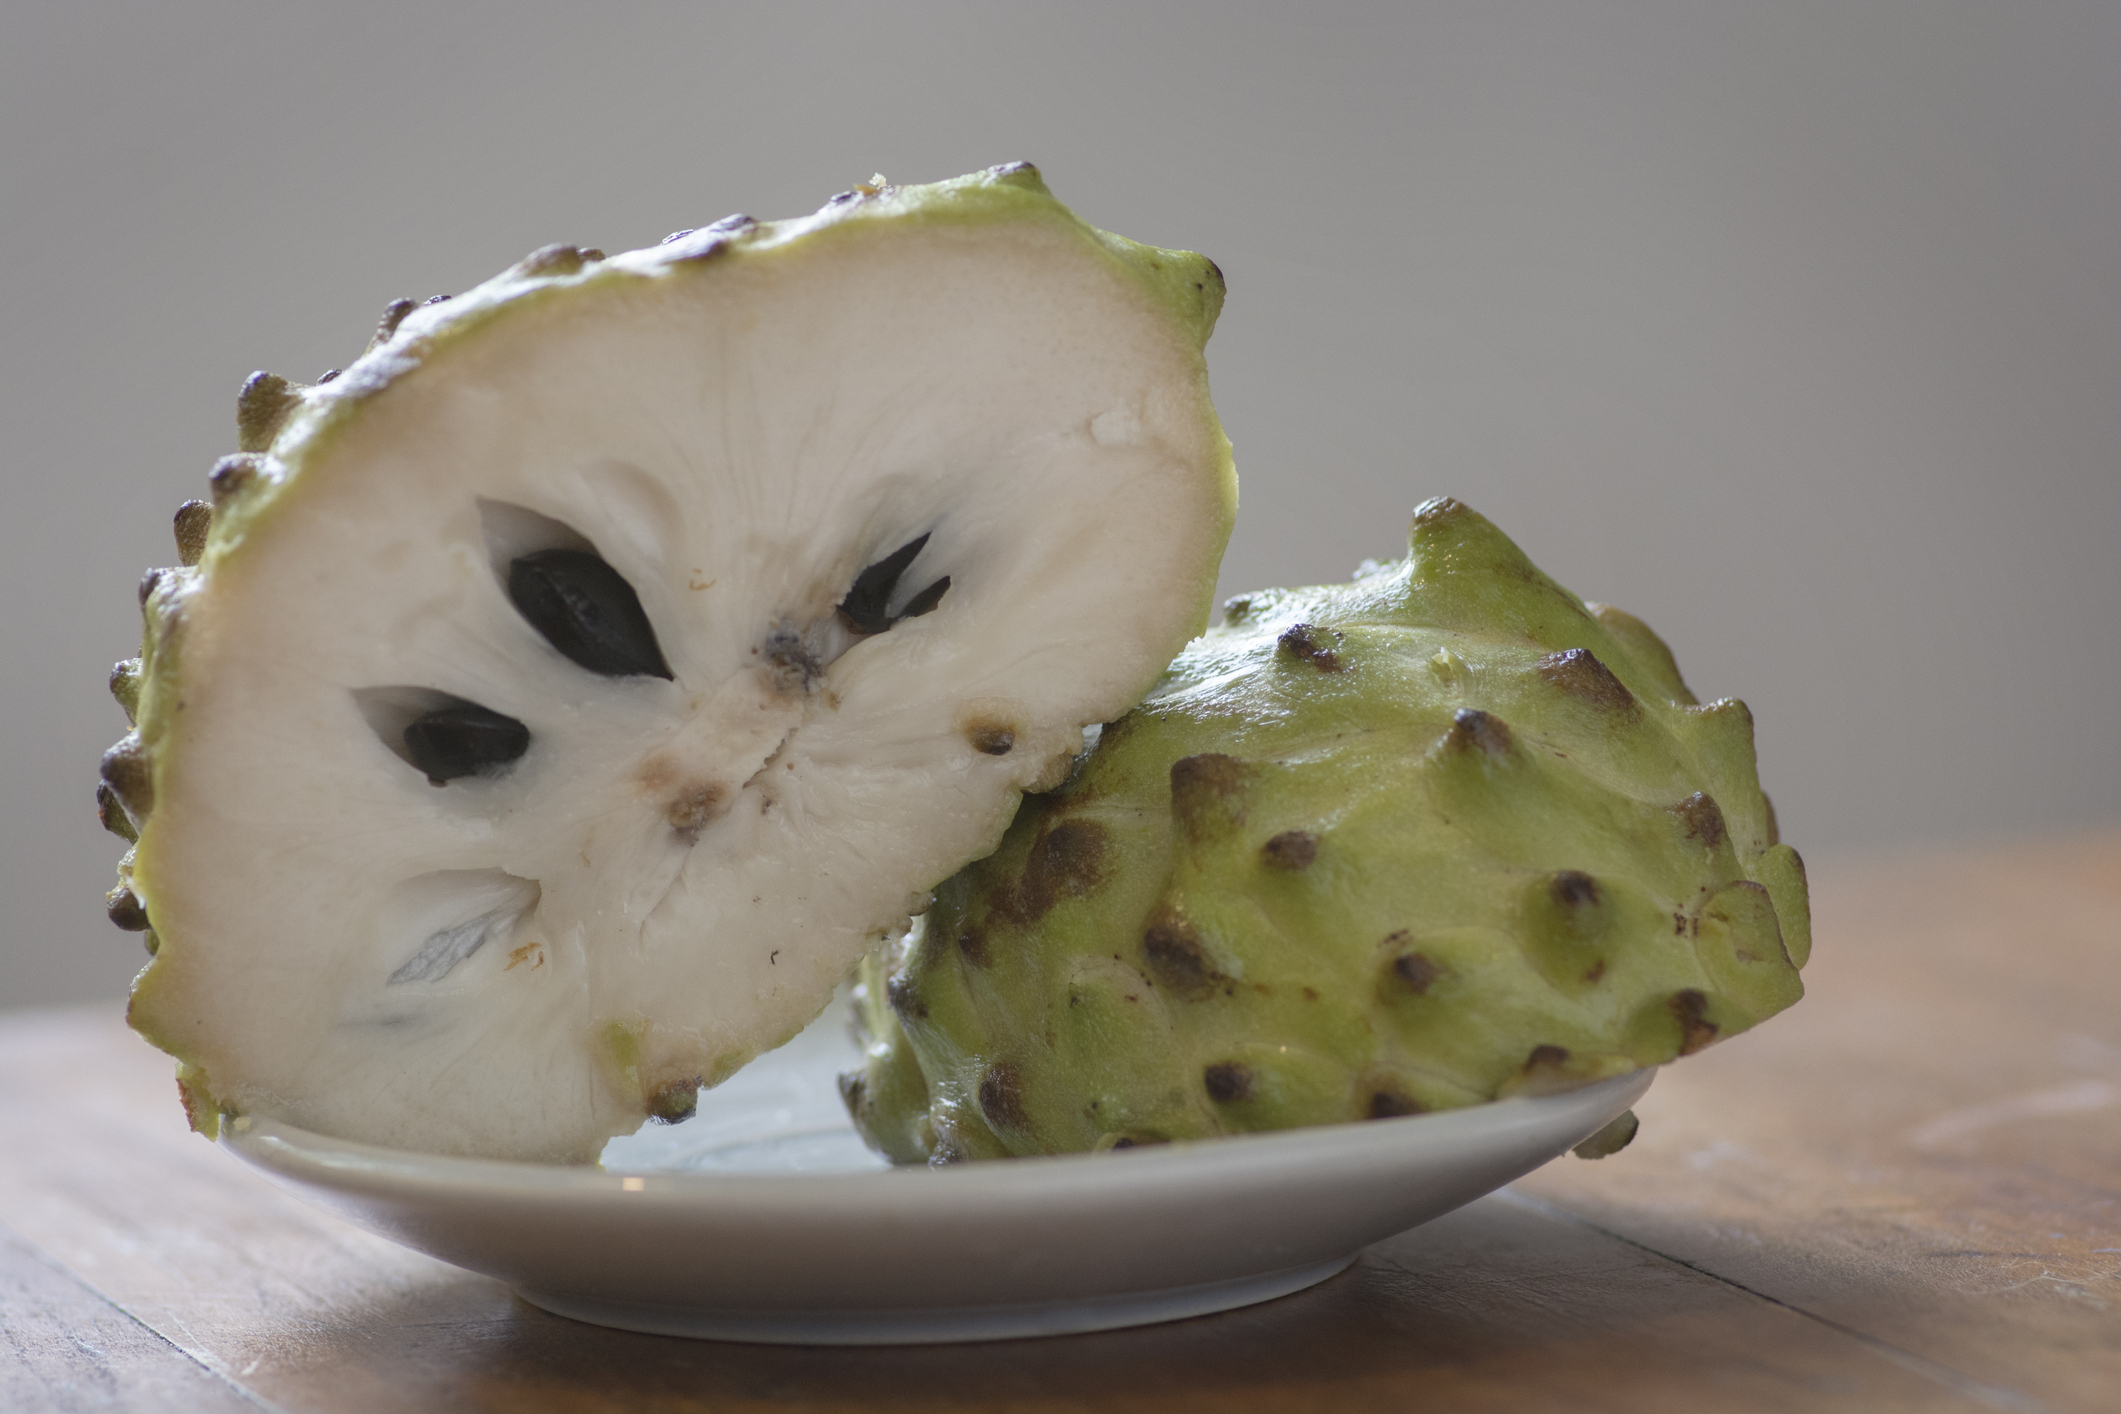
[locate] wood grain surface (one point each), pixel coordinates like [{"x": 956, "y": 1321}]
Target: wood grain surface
[{"x": 1903, "y": 1195}]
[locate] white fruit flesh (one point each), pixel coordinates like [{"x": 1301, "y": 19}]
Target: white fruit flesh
[{"x": 676, "y": 873}]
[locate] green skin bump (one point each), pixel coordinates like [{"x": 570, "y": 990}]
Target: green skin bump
[{"x": 1442, "y": 835}]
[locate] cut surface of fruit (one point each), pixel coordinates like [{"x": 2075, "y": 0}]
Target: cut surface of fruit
[
  {"x": 1438, "y": 836},
  {"x": 565, "y": 695}
]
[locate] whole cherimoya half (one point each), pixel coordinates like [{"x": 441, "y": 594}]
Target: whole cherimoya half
[
  {"x": 1438, "y": 836},
  {"x": 567, "y": 693}
]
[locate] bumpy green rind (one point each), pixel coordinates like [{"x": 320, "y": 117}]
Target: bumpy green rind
[
  {"x": 284, "y": 427},
  {"x": 1438, "y": 836}
]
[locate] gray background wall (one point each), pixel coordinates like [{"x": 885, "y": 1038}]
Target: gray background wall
[{"x": 1795, "y": 328}]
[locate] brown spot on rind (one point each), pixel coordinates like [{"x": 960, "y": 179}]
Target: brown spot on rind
[
  {"x": 232, "y": 475},
  {"x": 556, "y": 259},
  {"x": 262, "y": 404},
  {"x": 991, "y": 738},
  {"x": 1578, "y": 672},
  {"x": 1205, "y": 791},
  {"x": 1176, "y": 959},
  {"x": 111, "y": 814},
  {"x": 1227, "y": 1082},
  {"x": 1001, "y": 1099},
  {"x": 1301, "y": 642},
  {"x": 1696, "y": 1031},
  {"x": 125, "y": 910},
  {"x": 1291, "y": 849},
  {"x": 387, "y": 323},
  {"x": 129, "y": 775},
  {"x": 1438, "y": 509},
  {"x": 1415, "y": 970},
  {"x": 1574, "y": 889},
  {"x": 1473, "y": 729},
  {"x": 903, "y": 1000},
  {"x": 1067, "y": 860},
  {"x": 854, "y": 1094},
  {"x": 1391, "y": 1104},
  {"x": 125, "y": 686},
  {"x": 193, "y": 519},
  {"x": 1703, "y": 819},
  {"x": 675, "y": 1101}
]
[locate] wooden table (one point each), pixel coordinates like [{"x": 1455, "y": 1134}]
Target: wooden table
[{"x": 1905, "y": 1194}]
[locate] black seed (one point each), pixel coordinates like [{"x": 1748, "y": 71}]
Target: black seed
[
  {"x": 854, "y": 1084},
  {"x": 1547, "y": 1055},
  {"x": 1234, "y": 610},
  {"x": 867, "y": 607},
  {"x": 1574, "y": 889},
  {"x": 925, "y": 601},
  {"x": 327, "y": 375},
  {"x": 588, "y": 611},
  {"x": 1291, "y": 849},
  {"x": 1391, "y": 1104},
  {"x": 464, "y": 741},
  {"x": 1227, "y": 1082}
]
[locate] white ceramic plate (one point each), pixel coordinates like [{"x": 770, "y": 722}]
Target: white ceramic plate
[{"x": 765, "y": 1219}]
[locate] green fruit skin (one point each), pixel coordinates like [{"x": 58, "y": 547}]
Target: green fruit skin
[{"x": 1367, "y": 850}]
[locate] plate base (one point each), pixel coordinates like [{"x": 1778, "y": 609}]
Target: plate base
[{"x": 939, "y": 1325}]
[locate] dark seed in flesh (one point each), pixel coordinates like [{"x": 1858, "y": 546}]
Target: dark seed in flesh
[
  {"x": 867, "y": 607},
  {"x": 1390, "y": 1104},
  {"x": 588, "y": 611},
  {"x": 925, "y": 601},
  {"x": 464, "y": 741}
]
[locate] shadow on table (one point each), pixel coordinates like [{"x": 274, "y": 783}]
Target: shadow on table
[{"x": 1500, "y": 1299}]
